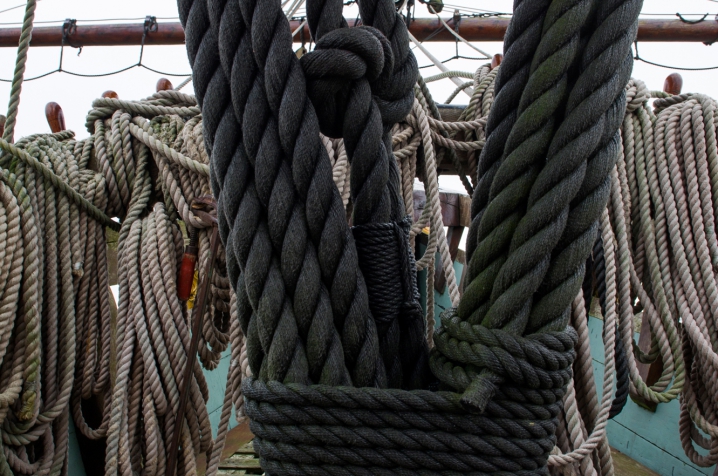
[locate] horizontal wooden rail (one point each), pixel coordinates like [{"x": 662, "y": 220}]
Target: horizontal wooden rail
[{"x": 424, "y": 29}]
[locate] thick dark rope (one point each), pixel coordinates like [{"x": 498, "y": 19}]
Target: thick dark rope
[
  {"x": 324, "y": 16},
  {"x": 354, "y": 86},
  {"x": 571, "y": 190},
  {"x": 245, "y": 232},
  {"x": 285, "y": 211},
  {"x": 520, "y": 43},
  {"x": 325, "y": 210},
  {"x": 622, "y": 375},
  {"x": 506, "y": 269},
  {"x": 524, "y": 155},
  {"x": 394, "y": 94},
  {"x": 594, "y": 114},
  {"x": 404, "y": 431},
  {"x": 317, "y": 429},
  {"x": 253, "y": 79}
]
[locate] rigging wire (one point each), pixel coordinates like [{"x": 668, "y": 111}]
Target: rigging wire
[
  {"x": 12, "y": 8},
  {"x": 638, "y": 57},
  {"x": 456, "y": 35},
  {"x": 91, "y": 20}
]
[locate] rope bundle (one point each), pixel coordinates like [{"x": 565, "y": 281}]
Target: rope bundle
[
  {"x": 43, "y": 273},
  {"x": 330, "y": 339},
  {"x": 666, "y": 258},
  {"x": 57, "y": 194},
  {"x": 256, "y": 106}
]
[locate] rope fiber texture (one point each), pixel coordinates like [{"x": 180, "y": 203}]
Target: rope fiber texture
[
  {"x": 335, "y": 340},
  {"x": 361, "y": 82}
]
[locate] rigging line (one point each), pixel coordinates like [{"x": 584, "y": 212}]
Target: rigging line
[
  {"x": 90, "y": 20},
  {"x": 469, "y": 8},
  {"x": 177, "y": 75},
  {"x": 474, "y": 10},
  {"x": 299, "y": 28},
  {"x": 293, "y": 9},
  {"x": 2, "y": 80},
  {"x": 679, "y": 68},
  {"x": 12, "y": 8},
  {"x": 100, "y": 75},
  {"x": 691, "y": 22},
  {"x": 707, "y": 68},
  {"x": 673, "y": 14},
  {"x": 440, "y": 65},
  {"x": 430, "y": 36},
  {"x": 458, "y": 37},
  {"x": 455, "y": 57}
]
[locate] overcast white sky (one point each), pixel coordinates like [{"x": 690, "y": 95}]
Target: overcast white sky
[{"x": 75, "y": 94}]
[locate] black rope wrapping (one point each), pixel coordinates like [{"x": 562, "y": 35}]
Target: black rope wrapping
[
  {"x": 344, "y": 430},
  {"x": 395, "y": 304}
]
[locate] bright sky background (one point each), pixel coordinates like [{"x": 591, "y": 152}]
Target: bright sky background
[{"x": 76, "y": 94}]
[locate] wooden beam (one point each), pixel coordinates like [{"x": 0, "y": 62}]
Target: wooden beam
[
  {"x": 456, "y": 215},
  {"x": 424, "y": 29}
]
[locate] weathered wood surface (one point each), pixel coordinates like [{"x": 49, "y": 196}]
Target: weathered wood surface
[
  {"x": 456, "y": 215},
  {"x": 237, "y": 448},
  {"x": 244, "y": 461}
]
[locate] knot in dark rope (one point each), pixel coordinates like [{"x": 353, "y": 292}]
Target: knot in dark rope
[{"x": 354, "y": 64}]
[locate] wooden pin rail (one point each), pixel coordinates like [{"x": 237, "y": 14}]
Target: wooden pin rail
[{"x": 424, "y": 29}]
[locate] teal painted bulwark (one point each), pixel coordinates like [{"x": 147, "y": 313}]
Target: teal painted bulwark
[{"x": 650, "y": 438}]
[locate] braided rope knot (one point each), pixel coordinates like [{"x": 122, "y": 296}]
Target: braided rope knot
[
  {"x": 351, "y": 67},
  {"x": 537, "y": 361}
]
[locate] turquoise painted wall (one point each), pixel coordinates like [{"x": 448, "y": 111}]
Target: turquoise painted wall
[
  {"x": 74, "y": 460},
  {"x": 650, "y": 438}
]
